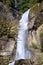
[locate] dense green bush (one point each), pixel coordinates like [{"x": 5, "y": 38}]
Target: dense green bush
[{"x": 24, "y": 5}]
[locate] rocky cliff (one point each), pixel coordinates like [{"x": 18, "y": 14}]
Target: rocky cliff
[
  {"x": 9, "y": 24},
  {"x": 9, "y": 28},
  {"x": 36, "y": 20}
]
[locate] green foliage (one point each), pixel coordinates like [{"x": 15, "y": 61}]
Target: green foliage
[
  {"x": 34, "y": 46},
  {"x": 4, "y": 60},
  {"x": 10, "y": 3},
  {"x": 3, "y": 28},
  {"x": 24, "y": 5},
  {"x": 40, "y": 60},
  {"x": 7, "y": 29}
]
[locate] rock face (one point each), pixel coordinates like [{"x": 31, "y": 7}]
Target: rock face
[
  {"x": 8, "y": 30},
  {"x": 8, "y": 25},
  {"x": 40, "y": 34},
  {"x": 5, "y": 14},
  {"x": 7, "y": 21},
  {"x": 8, "y": 48},
  {"x": 36, "y": 15},
  {"x": 3, "y": 42},
  {"x": 36, "y": 20}
]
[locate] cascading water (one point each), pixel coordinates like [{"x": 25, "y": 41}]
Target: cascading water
[
  {"x": 22, "y": 52},
  {"x": 15, "y": 3}
]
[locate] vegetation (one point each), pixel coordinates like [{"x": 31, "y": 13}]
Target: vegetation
[
  {"x": 21, "y": 5},
  {"x": 34, "y": 46},
  {"x": 4, "y": 60},
  {"x": 3, "y": 28}
]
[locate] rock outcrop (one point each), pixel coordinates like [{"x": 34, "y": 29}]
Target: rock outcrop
[
  {"x": 9, "y": 26},
  {"x": 36, "y": 20},
  {"x": 8, "y": 30}
]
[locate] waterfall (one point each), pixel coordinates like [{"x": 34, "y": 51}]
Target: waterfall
[
  {"x": 22, "y": 40},
  {"x": 21, "y": 51},
  {"x": 15, "y": 3}
]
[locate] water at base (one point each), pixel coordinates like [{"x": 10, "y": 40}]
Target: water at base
[
  {"x": 12, "y": 63},
  {"x": 21, "y": 51}
]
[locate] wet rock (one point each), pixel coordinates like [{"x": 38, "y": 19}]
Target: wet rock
[{"x": 22, "y": 62}]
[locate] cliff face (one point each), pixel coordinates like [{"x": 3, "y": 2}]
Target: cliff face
[
  {"x": 8, "y": 28},
  {"x": 9, "y": 24},
  {"x": 36, "y": 20}
]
